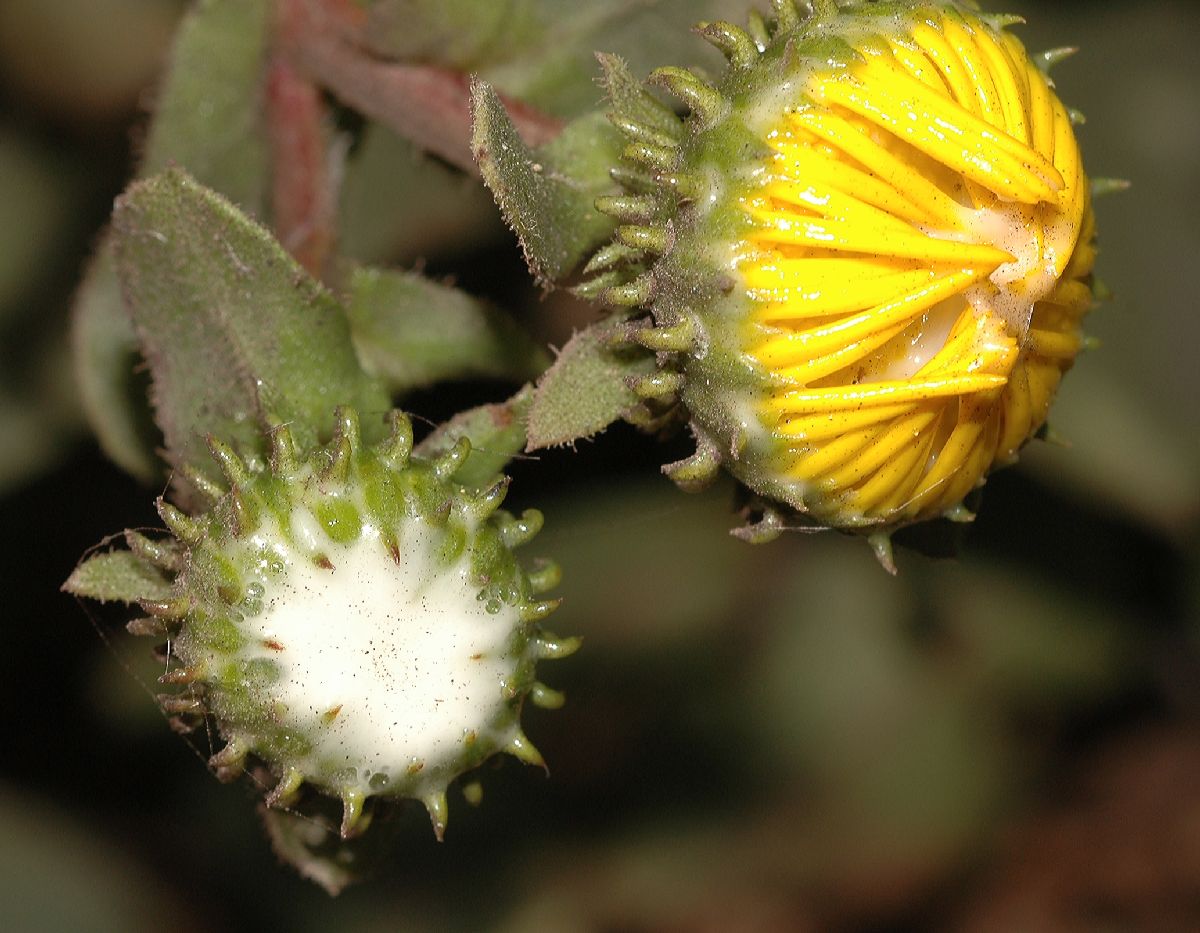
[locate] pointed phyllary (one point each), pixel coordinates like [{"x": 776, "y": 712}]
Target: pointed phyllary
[
  {"x": 348, "y": 617},
  {"x": 865, "y": 255}
]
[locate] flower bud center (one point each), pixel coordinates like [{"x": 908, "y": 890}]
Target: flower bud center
[
  {"x": 386, "y": 668},
  {"x": 911, "y": 231}
]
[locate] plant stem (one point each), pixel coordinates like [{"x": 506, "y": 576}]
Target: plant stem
[
  {"x": 302, "y": 197},
  {"x": 428, "y": 105}
]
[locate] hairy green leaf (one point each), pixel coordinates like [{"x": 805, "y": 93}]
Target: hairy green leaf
[
  {"x": 585, "y": 390},
  {"x": 118, "y": 575},
  {"x": 464, "y": 34},
  {"x": 411, "y": 332},
  {"x": 558, "y": 75},
  {"x": 235, "y": 332},
  {"x": 541, "y": 50},
  {"x": 546, "y": 195},
  {"x": 208, "y": 120},
  {"x": 208, "y": 117},
  {"x": 106, "y": 355},
  {"x": 496, "y": 432}
]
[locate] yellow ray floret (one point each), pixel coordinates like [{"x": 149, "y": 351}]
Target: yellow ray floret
[{"x": 916, "y": 268}]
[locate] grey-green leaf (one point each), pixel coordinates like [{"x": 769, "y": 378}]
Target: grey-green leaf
[
  {"x": 586, "y": 389},
  {"x": 496, "y": 432},
  {"x": 119, "y": 576},
  {"x": 463, "y": 34},
  {"x": 207, "y": 119},
  {"x": 105, "y": 354},
  {"x": 546, "y": 195},
  {"x": 208, "y": 116},
  {"x": 235, "y": 332},
  {"x": 559, "y": 75},
  {"x": 412, "y": 332},
  {"x": 541, "y": 50}
]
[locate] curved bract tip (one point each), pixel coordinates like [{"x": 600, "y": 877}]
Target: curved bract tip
[{"x": 868, "y": 296}]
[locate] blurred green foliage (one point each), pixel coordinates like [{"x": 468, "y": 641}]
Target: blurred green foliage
[{"x": 777, "y": 738}]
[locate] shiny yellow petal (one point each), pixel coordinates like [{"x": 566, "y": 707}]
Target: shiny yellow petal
[
  {"x": 813, "y": 428},
  {"x": 815, "y": 463},
  {"x": 885, "y": 393},
  {"x": 916, "y": 268},
  {"x": 795, "y": 347},
  {"x": 854, "y": 141}
]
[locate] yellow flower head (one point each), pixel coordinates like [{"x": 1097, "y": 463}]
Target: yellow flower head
[{"x": 875, "y": 277}]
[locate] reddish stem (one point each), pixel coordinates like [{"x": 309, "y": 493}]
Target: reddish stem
[
  {"x": 302, "y": 185},
  {"x": 427, "y": 104},
  {"x": 301, "y": 194}
]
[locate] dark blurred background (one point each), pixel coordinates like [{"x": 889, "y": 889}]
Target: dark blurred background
[{"x": 1003, "y": 738}]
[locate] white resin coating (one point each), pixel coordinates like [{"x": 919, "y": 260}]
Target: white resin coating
[
  {"x": 388, "y": 668},
  {"x": 1040, "y": 238}
]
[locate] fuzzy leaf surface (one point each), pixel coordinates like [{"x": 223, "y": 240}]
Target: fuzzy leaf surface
[
  {"x": 496, "y": 432},
  {"x": 208, "y": 116},
  {"x": 411, "y": 332},
  {"x": 119, "y": 576},
  {"x": 541, "y": 50},
  {"x": 208, "y": 119},
  {"x": 105, "y": 355},
  {"x": 547, "y": 195},
  {"x": 233, "y": 329},
  {"x": 465, "y": 34},
  {"x": 585, "y": 390}
]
